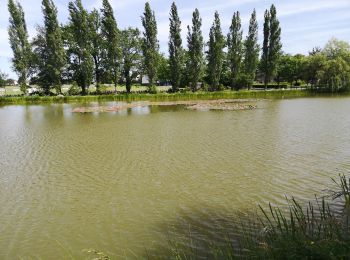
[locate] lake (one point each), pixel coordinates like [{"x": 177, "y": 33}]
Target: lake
[{"x": 121, "y": 183}]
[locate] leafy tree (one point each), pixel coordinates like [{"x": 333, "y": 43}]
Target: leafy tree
[
  {"x": 275, "y": 45},
  {"x": 55, "y": 53},
  {"x": 264, "y": 63},
  {"x": 314, "y": 68},
  {"x": 110, "y": 34},
  {"x": 39, "y": 61},
  {"x": 81, "y": 63},
  {"x": 336, "y": 48},
  {"x": 150, "y": 45},
  {"x": 175, "y": 49},
  {"x": 328, "y": 69},
  {"x": 185, "y": 79},
  {"x": 315, "y": 50},
  {"x": 285, "y": 70},
  {"x": 131, "y": 51},
  {"x": 336, "y": 71},
  {"x": 3, "y": 79},
  {"x": 164, "y": 71},
  {"x": 18, "y": 36},
  {"x": 97, "y": 48},
  {"x": 215, "y": 53},
  {"x": 195, "y": 60},
  {"x": 336, "y": 75},
  {"x": 291, "y": 69},
  {"x": 225, "y": 78},
  {"x": 251, "y": 46},
  {"x": 235, "y": 49},
  {"x": 271, "y": 46},
  {"x": 299, "y": 66}
]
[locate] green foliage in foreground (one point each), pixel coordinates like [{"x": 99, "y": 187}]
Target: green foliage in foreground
[
  {"x": 159, "y": 97},
  {"x": 313, "y": 232},
  {"x": 316, "y": 231}
]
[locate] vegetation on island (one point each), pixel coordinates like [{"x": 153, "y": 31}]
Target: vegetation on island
[{"x": 92, "y": 50}]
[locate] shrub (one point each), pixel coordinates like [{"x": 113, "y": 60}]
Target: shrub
[
  {"x": 152, "y": 89},
  {"x": 74, "y": 89},
  {"x": 102, "y": 88},
  {"x": 243, "y": 81},
  {"x": 221, "y": 87}
]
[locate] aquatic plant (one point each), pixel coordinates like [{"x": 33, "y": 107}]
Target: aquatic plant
[
  {"x": 344, "y": 189},
  {"x": 311, "y": 232}
]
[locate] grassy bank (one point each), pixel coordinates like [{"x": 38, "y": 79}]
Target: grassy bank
[{"x": 254, "y": 94}]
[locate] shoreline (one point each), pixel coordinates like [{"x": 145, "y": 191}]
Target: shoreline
[{"x": 245, "y": 94}]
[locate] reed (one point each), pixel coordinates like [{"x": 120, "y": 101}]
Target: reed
[
  {"x": 343, "y": 191},
  {"x": 312, "y": 232},
  {"x": 258, "y": 94}
]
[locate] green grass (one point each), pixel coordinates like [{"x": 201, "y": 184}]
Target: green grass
[{"x": 158, "y": 97}]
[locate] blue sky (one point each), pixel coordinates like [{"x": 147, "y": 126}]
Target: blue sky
[{"x": 305, "y": 23}]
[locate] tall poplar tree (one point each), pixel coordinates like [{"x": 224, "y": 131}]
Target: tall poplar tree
[
  {"x": 150, "y": 45},
  {"x": 18, "y": 36},
  {"x": 275, "y": 45},
  {"x": 175, "y": 48},
  {"x": 81, "y": 63},
  {"x": 272, "y": 45},
  {"x": 264, "y": 63},
  {"x": 111, "y": 37},
  {"x": 195, "y": 61},
  {"x": 97, "y": 48},
  {"x": 251, "y": 46},
  {"x": 55, "y": 52},
  {"x": 39, "y": 60},
  {"x": 235, "y": 49},
  {"x": 131, "y": 51},
  {"x": 215, "y": 53}
]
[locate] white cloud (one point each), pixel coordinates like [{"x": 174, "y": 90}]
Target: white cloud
[{"x": 307, "y": 6}]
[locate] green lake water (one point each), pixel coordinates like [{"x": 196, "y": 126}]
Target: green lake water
[{"x": 123, "y": 183}]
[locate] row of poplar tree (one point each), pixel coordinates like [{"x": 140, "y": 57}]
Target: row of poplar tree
[{"x": 91, "y": 48}]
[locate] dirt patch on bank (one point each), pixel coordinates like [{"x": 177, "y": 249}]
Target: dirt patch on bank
[{"x": 218, "y": 104}]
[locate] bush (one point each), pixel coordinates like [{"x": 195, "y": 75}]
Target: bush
[
  {"x": 221, "y": 87},
  {"x": 205, "y": 86},
  {"x": 102, "y": 88},
  {"x": 74, "y": 89},
  {"x": 152, "y": 89},
  {"x": 243, "y": 81}
]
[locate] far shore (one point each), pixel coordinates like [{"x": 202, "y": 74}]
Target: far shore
[{"x": 163, "y": 96}]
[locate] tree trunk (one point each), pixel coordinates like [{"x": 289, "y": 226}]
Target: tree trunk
[
  {"x": 97, "y": 76},
  {"x": 58, "y": 89},
  {"x": 128, "y": 84}
]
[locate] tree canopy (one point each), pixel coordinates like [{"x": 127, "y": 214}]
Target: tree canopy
[{"x": 90, "y": 48}]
